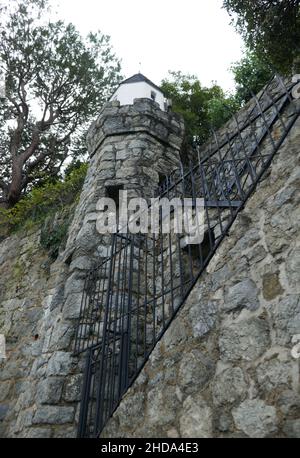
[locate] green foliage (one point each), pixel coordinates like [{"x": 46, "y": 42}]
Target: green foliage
[
  {"x": 42, "y": 201},
  {"x": 56, "y": 82},
  {"x": 202, "y": 108},
  {"x": 52, "y": 238},
  {"x": 251, "y": 74},
  {"x": 220, "y": 109},
  {"x": 271, "y": 28},
  {"x": 76, "y": 164}
]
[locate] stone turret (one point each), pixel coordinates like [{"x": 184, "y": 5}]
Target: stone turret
[
  {"x": 135, "y": 145},
  {"x": 131, "y": 147}
]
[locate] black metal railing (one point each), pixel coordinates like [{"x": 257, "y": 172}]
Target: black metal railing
[{"x": 132, "y": 297}]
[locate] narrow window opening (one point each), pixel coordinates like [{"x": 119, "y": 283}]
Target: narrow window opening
[
  {"x": 153, "y": 95},
  {"x": 113, "y": 193},
  {"x": 161, "y": 179}
]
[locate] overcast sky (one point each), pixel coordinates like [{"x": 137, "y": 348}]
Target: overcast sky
[{"x": 193, "y": 36}]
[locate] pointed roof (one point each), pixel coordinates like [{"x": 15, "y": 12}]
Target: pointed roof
[{"x": 139, "y": 77}]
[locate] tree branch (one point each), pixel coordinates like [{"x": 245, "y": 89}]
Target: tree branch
[
  {"x": 33, "y": 146},
  {"x": 22, "y": 94}
]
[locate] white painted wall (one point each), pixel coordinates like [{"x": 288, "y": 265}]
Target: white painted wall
[{"x": 126, "y": 93}]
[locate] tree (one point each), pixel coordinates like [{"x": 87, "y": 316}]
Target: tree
[
  {"x": 202, "y": 108},
  {"x": 251, "y": 74},
  {"x": 271, "y": 28},
  {"x": 54, "y": 83}
]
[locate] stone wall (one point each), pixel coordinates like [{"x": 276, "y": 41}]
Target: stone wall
[
  {"x": 37, "y": 393},
  {"x": 224, "y": 368}
]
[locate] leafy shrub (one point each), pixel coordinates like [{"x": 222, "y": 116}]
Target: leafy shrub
[
  {"x": 42, "y": 201},
  {"x": 52, "y": 238}
]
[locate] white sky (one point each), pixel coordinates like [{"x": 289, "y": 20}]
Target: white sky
[{"x": 193, "y": 36}]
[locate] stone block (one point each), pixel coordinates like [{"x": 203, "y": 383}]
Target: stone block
[
  {"x": 59, "y": 363},
  {"x": 3, "y": 411},
  {"x": 49, "y": 390},
  {"x": 72, "y": 306},
  {"x": 244, "y": 340},
  {"x": 291, "y": 428},
  {"x": 4, "y": 389},
  {"x": 73, "y": 388},
  {"x": 53, "y": 415},
  {"x": 229, "y": 386},
  {"x": 271, "y": 286},
  {"x": 241, "y": 295},
  {"x": 274, "y": 374},
  {"x": 286, "y": 319},
  {"x": 195, "y": 371},
  {"x": 255, "y": 418},
  {"x": 203, "y": 317},
  {"x": 195, "y": 418},
  {"x": 37, "y": 433}
]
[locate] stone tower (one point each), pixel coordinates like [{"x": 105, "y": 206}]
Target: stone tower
[{"x": 131, "y": 147}]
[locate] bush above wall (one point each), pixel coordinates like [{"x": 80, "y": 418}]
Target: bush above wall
[{"x": 42, "y": 201}]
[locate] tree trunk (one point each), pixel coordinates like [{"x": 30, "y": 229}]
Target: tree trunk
[{"x": 15, "y": 187}]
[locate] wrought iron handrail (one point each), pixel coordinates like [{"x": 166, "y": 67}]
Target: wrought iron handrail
[{"x": 131, "y": 298}]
